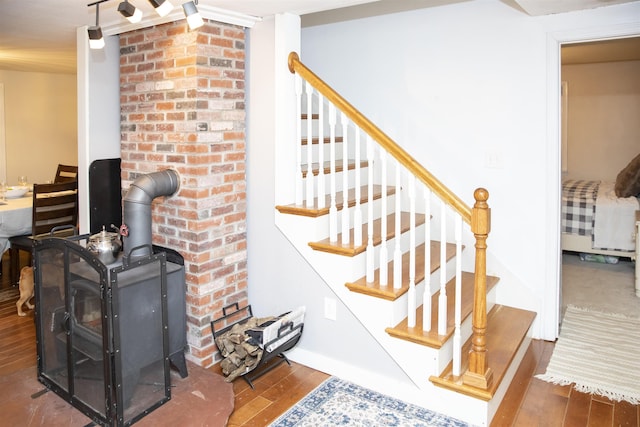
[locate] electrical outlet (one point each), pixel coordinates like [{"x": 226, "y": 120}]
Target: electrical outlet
[{"x": 330, "y": 308}]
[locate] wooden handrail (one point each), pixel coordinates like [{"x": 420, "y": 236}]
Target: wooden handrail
[
  {"x": 449, "y": 197},
  {"x": 479, "y": 218}
]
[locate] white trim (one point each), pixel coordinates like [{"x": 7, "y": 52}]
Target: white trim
[
  {"x": 286, "y": 40},
  {"x": 564, "y": 111},
  {"x": 207, "y": 12},
  {"x": 3, "y": 148},
  {"x": 82, "y": 82},
  {"x": 550, "y": 308}
]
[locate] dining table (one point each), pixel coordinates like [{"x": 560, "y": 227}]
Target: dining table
[{"x": 15, "y": 218}]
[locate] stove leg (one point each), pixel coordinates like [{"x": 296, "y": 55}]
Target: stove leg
[{"x": 179, "y": 362}]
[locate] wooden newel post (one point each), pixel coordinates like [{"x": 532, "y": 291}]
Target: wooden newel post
[{"x": 478, "y": 374}]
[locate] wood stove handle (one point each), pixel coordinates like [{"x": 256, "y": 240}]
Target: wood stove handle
[{"x": 125, "y": 259}]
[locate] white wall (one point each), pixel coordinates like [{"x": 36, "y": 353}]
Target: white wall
[
  {"x": 604, "y": 118},
  {"x": 99, "y": 111},
  {"x": 451, "y": 84},
  {"x": 40, "y": 119}
]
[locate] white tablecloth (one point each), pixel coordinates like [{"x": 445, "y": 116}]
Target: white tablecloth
[{"x": 15, "y": 219}]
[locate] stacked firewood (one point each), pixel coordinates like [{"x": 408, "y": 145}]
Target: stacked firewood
[{"x": 241, "y": 353}]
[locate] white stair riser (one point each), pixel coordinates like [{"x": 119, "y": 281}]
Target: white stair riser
[{"x": 400, "y": 306}]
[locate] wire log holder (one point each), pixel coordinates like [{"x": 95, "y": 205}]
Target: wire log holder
[{"x": 242, "y": 315}]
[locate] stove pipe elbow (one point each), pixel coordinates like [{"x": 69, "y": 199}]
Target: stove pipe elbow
[{"x": 137, "y": 207}]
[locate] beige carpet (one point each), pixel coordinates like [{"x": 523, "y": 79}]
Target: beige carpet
[
  {"x": 597, "y": 353},
  {"x": 601, "y": 287}
]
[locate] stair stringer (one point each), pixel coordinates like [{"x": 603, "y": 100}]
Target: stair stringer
[
  {"x": 417, "y": 361},
  {"x": 494, "y": 403}
]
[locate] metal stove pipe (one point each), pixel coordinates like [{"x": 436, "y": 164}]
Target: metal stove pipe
[{"x": 136, "y": 228}]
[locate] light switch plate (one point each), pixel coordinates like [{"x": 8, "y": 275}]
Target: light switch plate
[{"x": 330, "y": 308}]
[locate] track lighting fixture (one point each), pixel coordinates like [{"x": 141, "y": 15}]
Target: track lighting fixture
[
  {"x": 162, "y": 7},
  {"x": 193, "y": 16},
  {"x": 134, "y": 15},
  {"x": 129, "y": 11},
  {"x": 96, "y": 41}
]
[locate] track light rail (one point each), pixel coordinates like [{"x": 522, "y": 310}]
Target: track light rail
[{"x": 97, "y": 2}]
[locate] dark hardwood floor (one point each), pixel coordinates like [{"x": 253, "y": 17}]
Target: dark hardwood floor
[{"x": 529, "y": 401}]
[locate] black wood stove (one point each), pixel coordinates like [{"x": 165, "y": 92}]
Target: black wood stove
[{"x": 108, "y": 334}]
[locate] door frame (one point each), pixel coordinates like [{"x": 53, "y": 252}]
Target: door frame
[{"x": 550, "y": 307}]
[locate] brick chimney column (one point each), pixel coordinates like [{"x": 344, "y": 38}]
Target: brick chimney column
[{"x": 182, "y": 107}]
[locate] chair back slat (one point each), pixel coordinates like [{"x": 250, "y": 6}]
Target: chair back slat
[
  {"x": 66, "y": 173},
  {"x": 54, "y": 205}
]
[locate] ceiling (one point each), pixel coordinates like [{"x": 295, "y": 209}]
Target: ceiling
[
  {"x": 40, "y": 35},
  {"x": 626, "y": 49}
]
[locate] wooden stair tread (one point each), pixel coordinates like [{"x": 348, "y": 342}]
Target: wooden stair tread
[
  {"x": 350, "y": 249},
  {"x": 315, "y": 167},
  {"x": 507, "y": 327},
  {"x": 431, "y": 338},
  {"x": 326, "y": 140},
  {"x": 315, "y": 212},
  {"x": 387, "y": 291}
]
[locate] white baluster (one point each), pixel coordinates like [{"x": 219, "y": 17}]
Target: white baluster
[
  {"x": 442, "y": 299},
  {"x": 426, "y": 299},
  {"x": 397, "y": 251},
  {"x": 383, "y": 221},
  {"x": 457, "y": 339},
  {"x": 299, "y": 179},
  {"x": 309, "y": 180},
  {"x": 357, "y": 213},
  {"x": 333, "y": 210},
  {"x": 321, "y": 177},
  {"x": 370, "y": 248},
  {"x": 346, "y": 236},
  {"x": 411, "y": 317}
]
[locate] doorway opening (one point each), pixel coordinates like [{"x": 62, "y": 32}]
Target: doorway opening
[{"x": 598, "y": 137}]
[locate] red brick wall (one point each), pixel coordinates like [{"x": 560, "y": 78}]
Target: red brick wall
[{"x": 182, "y": 107}]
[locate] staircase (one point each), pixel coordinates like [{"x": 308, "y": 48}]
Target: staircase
[{"x": 388, "y": 238}]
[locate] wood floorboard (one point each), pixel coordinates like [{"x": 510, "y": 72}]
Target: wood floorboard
[
  {"x": 625, "y": 414},
  {"x": 576, "y": 414},
  {"x": 600, "y": 414},
  {"x": 529, "y": 402}
]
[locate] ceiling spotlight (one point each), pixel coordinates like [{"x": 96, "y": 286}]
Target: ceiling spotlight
[
  {"x": 129, "y": 11},
  {"x": 95, "y": 38},
  {"x": 193, "y": 16},
  {"x": 96, "y": 41},
  {"x": 162, "y": 7}
]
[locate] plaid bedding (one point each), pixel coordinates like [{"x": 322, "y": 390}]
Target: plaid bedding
[{"x": 578, "y": 206}]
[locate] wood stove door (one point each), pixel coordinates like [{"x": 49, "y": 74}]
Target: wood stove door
[{"x": 71, "y": 326}]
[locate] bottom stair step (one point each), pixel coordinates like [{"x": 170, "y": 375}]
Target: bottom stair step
[{"x": 507, "y": 327}]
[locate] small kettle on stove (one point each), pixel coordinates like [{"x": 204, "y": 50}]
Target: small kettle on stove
[{"x": 105, "y": 245}]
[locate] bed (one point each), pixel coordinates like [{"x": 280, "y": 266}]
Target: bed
[{"x": 596, "y": 221}]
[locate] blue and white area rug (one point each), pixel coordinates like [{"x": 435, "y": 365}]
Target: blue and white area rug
[{"x": 336, "y": 402}]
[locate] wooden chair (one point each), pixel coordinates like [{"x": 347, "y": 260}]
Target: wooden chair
[
  {"x": 66, "y": 173},
  {"x": 54, "y": 205}
]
